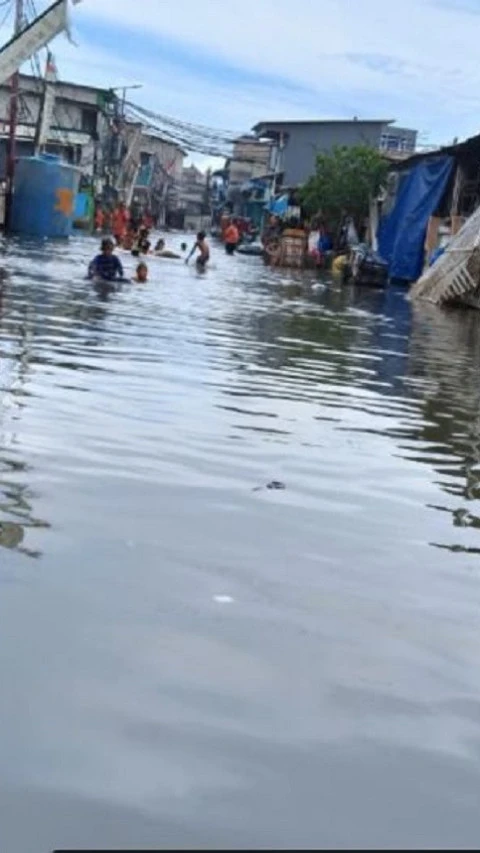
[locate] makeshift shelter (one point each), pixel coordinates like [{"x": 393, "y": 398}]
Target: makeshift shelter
[
  {"x": 428, "y": 191},
  {"x": 455, "y": 275}
]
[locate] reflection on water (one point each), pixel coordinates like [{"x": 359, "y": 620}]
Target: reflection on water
[
  {"x": 253, "y": 619},
  {"x": 444, "y": 370}
]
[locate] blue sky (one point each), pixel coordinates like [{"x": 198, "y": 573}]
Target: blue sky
[{"x": 229, "y": 66}]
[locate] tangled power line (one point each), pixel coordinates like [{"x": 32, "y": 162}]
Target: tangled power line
[{"x": 198, "y": 138}]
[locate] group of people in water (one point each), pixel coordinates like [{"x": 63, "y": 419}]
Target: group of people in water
[
  {"x": 107, "y": 266},
  {"x": 131, "y": 233}
]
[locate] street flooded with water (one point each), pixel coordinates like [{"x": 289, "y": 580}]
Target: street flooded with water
[{"x": 239, "y": 560}]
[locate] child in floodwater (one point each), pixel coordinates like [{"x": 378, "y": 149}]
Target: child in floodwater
[
  {"x": 141, "y": 273},
  {"x": 142, "y": 244},
  {"x": 202, "y": 247},
  {"x": 106, "y": 266},
  {"x": 163, "y": 252}
]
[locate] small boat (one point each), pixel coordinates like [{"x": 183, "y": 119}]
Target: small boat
[{"x": 254, "y": 249}]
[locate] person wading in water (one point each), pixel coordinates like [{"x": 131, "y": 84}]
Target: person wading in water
[
  {"x": 202, "y": 247},
  {"x": 232, "y": 238}
]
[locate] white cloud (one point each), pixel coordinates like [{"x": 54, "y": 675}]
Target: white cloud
[{"x": 416, "y": 61}]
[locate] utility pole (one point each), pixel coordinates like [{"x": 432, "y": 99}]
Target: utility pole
[
  {"x": 117, "y": 137},
  {"x": 13, "y": 117}
]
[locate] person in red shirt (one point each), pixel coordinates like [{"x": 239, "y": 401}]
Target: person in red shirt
[{"x": 120, "y": 221}]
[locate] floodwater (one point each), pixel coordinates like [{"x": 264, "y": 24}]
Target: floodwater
[{"x": 190, "y": 658}]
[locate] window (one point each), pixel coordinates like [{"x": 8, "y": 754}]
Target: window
[
  {"x": 145, "y": 158},
  {"x": 89, "y": 121},
  {"x": 391, "y": 142}
]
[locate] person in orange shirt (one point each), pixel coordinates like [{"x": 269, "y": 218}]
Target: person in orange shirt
[
  {"x": 120, "y": 221},
  {"x": 232, "y": 238}
]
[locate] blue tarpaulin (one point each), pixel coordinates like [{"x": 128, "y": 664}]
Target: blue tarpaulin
[
  {"x": 401, "y": 234},
  {"x": 279, "y": 206}
]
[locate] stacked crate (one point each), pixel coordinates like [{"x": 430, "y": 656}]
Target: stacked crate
[{"x": 293, "y": 248}]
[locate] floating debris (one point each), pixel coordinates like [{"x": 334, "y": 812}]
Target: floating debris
[
  {"x": 455, "y": 275},
  {"x": 276, "y": 484},
  {"x": 273, "y": 484},
  {"x": 11, "y": 534}
]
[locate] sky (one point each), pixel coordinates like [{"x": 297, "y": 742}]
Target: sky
[{"x": 229, "y": 66}]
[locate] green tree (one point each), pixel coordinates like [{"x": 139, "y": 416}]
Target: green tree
[{"x": 344, "y": 181}]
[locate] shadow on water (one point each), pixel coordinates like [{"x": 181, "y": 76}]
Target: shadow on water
[{"x": 444, "y": 374}]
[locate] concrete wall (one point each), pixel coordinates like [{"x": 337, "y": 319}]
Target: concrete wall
[
  {"x": 197, "y": 223},
  {"x": 303, "y": 141},
  {"x": 192, "y": 192},
  {"x": 251, "y": 159}
]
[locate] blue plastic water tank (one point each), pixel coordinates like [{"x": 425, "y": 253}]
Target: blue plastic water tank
[{"x": 44, "y": 196}]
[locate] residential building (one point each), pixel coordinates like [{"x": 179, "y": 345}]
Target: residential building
[
  {"x": 88, "y": 131},
  {"x": 297, "y": 143},
  {"x": 246, "y": 176},
  {"x": 78, "y": 122},
  {"x": 195, "y": 200},
  {"x": 250, "y": 159},
  {"x": 151, "y": 170}
]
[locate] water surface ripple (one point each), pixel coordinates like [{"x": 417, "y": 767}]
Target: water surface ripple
[{"x": 190, "y": 658}]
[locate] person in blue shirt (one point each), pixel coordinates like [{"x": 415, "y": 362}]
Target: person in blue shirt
[
  {"x": 106, "y": 266},
  {"x": 325, "y": 243}
]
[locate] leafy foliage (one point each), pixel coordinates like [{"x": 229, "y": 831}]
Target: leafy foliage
[{"x": 344, "y": 181}]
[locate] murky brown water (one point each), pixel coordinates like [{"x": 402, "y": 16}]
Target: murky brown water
[{"x": 187, "y": 659}]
